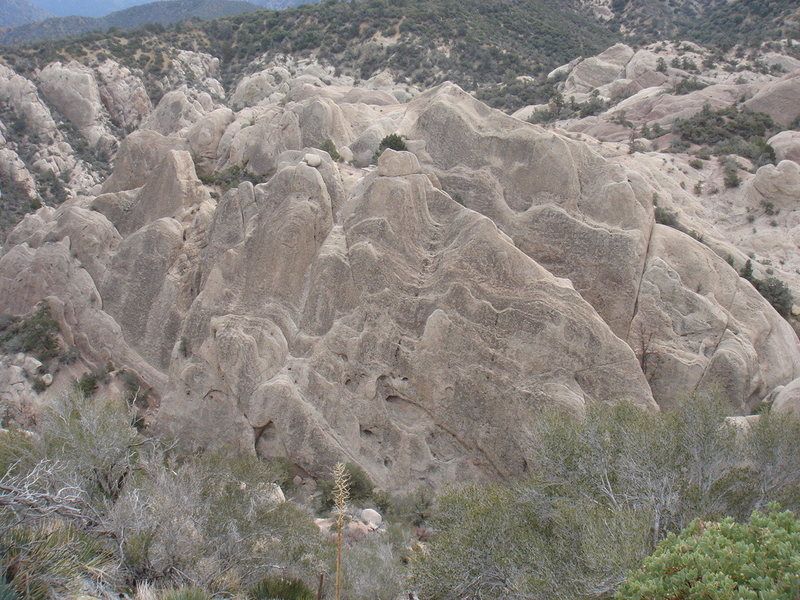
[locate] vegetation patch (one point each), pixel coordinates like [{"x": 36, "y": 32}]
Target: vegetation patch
[
  {"x": 36, "y": 334},
  {"x": 730, "y": 130}
]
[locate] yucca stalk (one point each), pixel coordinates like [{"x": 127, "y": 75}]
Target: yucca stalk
[{"x": 341, "y": 494}]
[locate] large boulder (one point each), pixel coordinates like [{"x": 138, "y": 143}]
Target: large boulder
[
  {"x": 123, "y": 94},
  {"x": 72, "y": 89},
  {"x": 138, "y": 156},
  {"x": 778, "y": 99}
]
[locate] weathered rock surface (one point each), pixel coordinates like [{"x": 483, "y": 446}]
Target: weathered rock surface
[
  {"x": 73, "y": 91},
  {"x": 778, "y": 99}
]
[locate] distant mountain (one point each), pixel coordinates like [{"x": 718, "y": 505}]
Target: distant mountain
[
  {"x": 163, "y": 13},
  {"x": 19, "y": 12},
  {"x": 101, "y": 8}
]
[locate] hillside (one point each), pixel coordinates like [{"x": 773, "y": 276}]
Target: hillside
[
  {"x": 478, "y": 45},
  {"x": 162, "y": 13},
  {"x": 19, "y": 12},
  {"x": 704, "y": 21}
]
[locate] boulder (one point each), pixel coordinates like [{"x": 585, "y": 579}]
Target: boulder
[
  {"x": 138, "y": 156},
  {"x": 372, "y": 518},
  {"x": 786, "y": 145},
  {"x": 778, "y": 99},
  {"x": 788, "y": 399}
]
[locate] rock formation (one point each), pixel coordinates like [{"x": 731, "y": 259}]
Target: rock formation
[{"x": 411, "y": 316}]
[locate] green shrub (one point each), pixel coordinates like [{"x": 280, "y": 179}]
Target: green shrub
[
  {"x": 280, "y": 589},
  {"x": 87, "y": 384},
  {"x": 330, "y": 148},
  {"x": 392, "y": 141},
  {"x": 723, "y": 560},
  {"x": 38, "y": 385},
  {"x": 731, "y": 170},
  {"x": 686, "y": 86},
  {"x": 775, "y": 291},
  {"x": 666, "y": 217},
  {"x": 777, "y": 294}
]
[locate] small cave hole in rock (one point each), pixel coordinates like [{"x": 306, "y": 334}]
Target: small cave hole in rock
[{"x": 264, "y": 435}]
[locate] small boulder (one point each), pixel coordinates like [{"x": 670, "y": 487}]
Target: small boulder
[
  {"x": 396, "y": 164},
  {"x": 372, "y": 518},
  {"x": 312, "y": 160}
]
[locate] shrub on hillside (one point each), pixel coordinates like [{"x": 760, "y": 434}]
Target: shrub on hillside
[{"x": 721, "y": 560}]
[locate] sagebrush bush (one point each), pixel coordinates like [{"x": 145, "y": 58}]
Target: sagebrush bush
[{"x": 607, "y": 489}]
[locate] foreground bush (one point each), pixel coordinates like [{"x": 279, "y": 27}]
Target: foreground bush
[
  {"x": 758, "y": 560},
  {"x": 607, "y": 490}
]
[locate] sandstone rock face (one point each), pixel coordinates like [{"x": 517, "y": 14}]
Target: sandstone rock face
[
  {"x": 599, "y": 70},
  {"x": 123, "y": 94},
  {"x": 138, "y": 156},
  {"x": 73, "y": 90},
  {"x": 24, "y": 99},
  {"x": 411, "y": 316},
  {"x": 715, "y": 330},
  {"x": 392, "y": 337},
  {"x": 778, "y": 99},
  {"x": 788, "y": 399},
  {"x": 175, "y": 111}
]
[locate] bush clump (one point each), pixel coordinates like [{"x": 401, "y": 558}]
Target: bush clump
[
  {"x": 775, "y": 291},
  {"x": 273, "y": 588},
  {"x": 720, "y": 560},
  {"x": 331, "y": 149},
  {"x": 392, "y": 141},
  {"x": 36, "y": 334}
]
